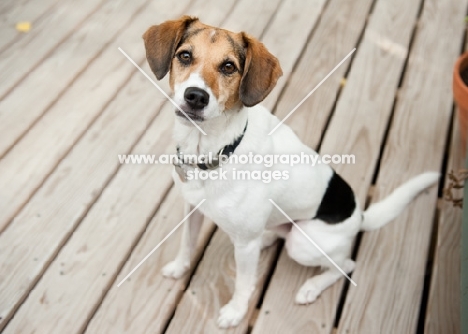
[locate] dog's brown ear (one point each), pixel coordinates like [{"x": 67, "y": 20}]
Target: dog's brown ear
[
  {"x": 161, "y": 42},
  {"x": 261, "y": 72}
]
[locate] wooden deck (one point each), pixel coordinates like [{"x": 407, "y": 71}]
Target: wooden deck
[{"x": 74, "y": 222}]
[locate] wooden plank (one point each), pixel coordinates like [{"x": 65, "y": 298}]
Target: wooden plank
[
  {"x": 60, "y": 204},
  {"x": 117, "y": 305},
  {"x": 21, "y": 11},
  {"x": 281, "y": 313},
  {"x": 464, "y": 261},
  {"x": 32, "y": 159},
  {"x": 337, "y": 33},
  {"x": 94, "y": 158},
  {"x": 29, "y": 51},
  {"x": 212, "y": 287},
  {"x": 57, "y": 208},
  {"x": 62, "y": 67},
  {"x": 146, "y": 301},
  {"x": 443, "y": 310},
  {"x": 288, "y": 50},
  {"x": 8, "y": 5},
  {"x": 203, "y": 317},
  {"x": 356, "y": 128},
  {"x": 74, "y": 284},
  {"x": 255, "y": 17},
  {"x": 391, "y": 261}
]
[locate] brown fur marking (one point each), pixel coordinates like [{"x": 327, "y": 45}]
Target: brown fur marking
[{"x": 257, "y": 69}]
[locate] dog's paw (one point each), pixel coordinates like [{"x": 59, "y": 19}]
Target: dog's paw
[
  {"x": 231, "y": 315},
  {"x": 175, "y": 269},
  {"x": 349, "y": 266},
  {"x": 308, "y": 293},
  {"x": 268, "y": 239}
]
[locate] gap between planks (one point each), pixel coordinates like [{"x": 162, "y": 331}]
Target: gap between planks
[
  {"x": 334, "y": 120},
  {"x": 8, "y": 84},
  {"x": 39, "y": 150},
  {"x": 72, "y": 214},
  {"x": 402, "y": 311},
  {"x": 150, "y": 122},
  {"x": 21, "y": 11},
  {"x": 443, "y": 312}
]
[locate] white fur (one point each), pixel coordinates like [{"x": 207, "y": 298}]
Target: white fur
[
  {"x": 379, "y": 214},
  {"x": 214, "y": 107},
  {"x": 243, "y": 210}
]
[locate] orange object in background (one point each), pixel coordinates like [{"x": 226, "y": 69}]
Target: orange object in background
[{"x": 460, "y": 93}]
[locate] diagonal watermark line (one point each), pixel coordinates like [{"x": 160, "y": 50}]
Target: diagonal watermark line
[
  {"x": 160, "y": 243},
  {"x": 160, "y": 89},
  {"x": 308, "y": 238},
  {"x": 312, "y": 91}
]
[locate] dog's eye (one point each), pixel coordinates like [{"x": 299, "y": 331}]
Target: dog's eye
[
  {"x": 185, "y": 57},
  {"x": 228, "y": 67}
]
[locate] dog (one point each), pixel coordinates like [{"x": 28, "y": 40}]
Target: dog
[{"x": 218, "y": 78}]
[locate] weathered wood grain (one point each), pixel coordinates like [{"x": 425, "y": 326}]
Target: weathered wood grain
[
  {"x": 280, "y": 313},
  {"x": 210, "y": 298},
  {"x": 288, "y": 33},
  {"x": 20, "y": 11},
  {"x": 73, "y": 285},
  {"x": 42, "y": 227},
  {"x": 357, "y": 127},
  {"x": 391, "y": 261},
  {"x": 443, "y": 306},
  {"x": 55, "y": 28},
  {"x": 32, "y": 159},
  {"x": 212, "y": 287},
  {"x": 94, "y": 157},
  {"x": 93, "y": 118},
  {"x": 146, "y": 301},
  {"x": 50, "y": 216},
  {"x": 66, "y": 68},
  {"x": 337, "y": 33}
]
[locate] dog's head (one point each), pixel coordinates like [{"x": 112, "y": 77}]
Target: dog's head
[{"x": 212, "y": 70}]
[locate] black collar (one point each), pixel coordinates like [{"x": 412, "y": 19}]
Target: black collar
[{"x": 226, "y": 150}]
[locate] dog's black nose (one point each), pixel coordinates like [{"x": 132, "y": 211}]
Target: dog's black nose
[{"x": 196, "y": 98}]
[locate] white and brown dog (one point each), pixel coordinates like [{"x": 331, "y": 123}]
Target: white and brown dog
[{"x": 218, "y": 78}]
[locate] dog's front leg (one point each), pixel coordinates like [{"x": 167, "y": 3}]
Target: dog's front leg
[
  {"x": 246, "y": 255},
  {"x": 190, "y": 231}
]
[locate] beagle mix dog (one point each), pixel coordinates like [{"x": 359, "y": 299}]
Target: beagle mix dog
[{"x": 218, "y": 78}]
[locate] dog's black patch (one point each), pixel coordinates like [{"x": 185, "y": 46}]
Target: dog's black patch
[{"x": 338, "y": 202}]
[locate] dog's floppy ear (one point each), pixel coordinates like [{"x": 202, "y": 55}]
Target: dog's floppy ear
[
  {"x": 161, "y": 42},
  {"x": 261, "y": 72}
]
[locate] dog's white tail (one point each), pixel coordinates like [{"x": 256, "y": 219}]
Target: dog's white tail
[{"x": 379, "y": 214}]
